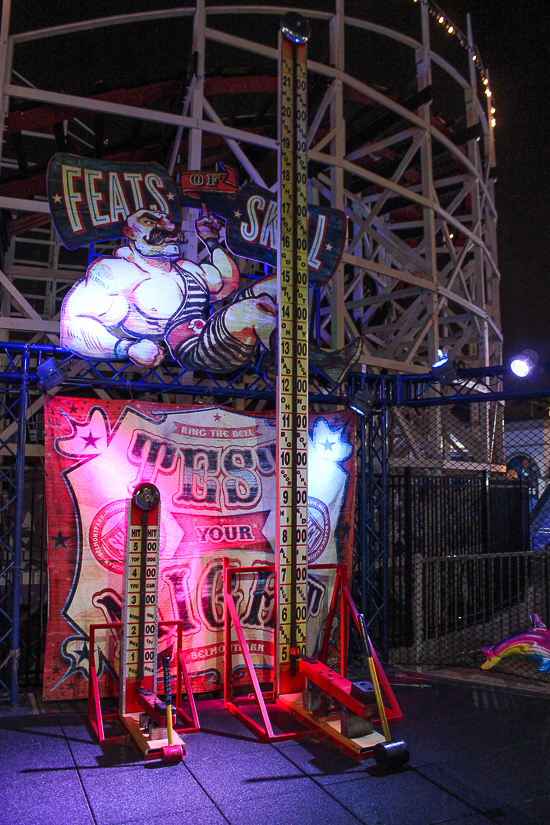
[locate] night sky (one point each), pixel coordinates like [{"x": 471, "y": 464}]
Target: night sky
[
  {"x": 513, "y": 40},
  {"x": 514, "y": 43}
]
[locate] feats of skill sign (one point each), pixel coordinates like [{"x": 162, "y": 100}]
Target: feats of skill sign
[{"x": 90, "y": 201}]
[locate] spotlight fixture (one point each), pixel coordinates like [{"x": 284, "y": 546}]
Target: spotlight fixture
[
  {"x": 444, "y": 369},
  {"x": 362, "y": 402},
  {"x": 50, "y": 374},
  {"x": 523, "y": 363}
]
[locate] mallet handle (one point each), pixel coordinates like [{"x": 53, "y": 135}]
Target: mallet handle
[
  {"x": 374, "y": 677},
  {"x": 167, "y": 696}
]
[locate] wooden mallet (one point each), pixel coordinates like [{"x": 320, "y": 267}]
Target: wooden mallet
[
  {"x": 170, "y": 752},
  {"x": 386, "y": 754}
]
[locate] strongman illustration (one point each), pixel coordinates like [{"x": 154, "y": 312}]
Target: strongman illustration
[{"x": 148, "y": 296}]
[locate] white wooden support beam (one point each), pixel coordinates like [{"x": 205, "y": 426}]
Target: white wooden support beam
[
  {"x": 235, "y": 148},
  {"x": 6, "y": 51},
  {"x": 194, "y": 155},
  {"x": 136, "y": 112},
  {"x": 338, "y": 150},
  {"x": 424, "y": 79},
  {"x": 35, "y": 322},
  {"x": 32, "y": 325},
  {"x": 402, "y": 191},
  {"x": 473, "y": 154},
  {"x": 22, "y": 205}
]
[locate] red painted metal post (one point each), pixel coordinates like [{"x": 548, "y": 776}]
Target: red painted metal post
[
  {"x": 227, "y": 692},
  {"x": 94, "y": 699},
  {"x": 331, "y": 615},
  {"x": 249, "y": 665}
]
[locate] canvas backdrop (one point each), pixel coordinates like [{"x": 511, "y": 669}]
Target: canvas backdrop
[{"x": 215, "y": 469}]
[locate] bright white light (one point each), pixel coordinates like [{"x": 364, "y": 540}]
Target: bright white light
[
  {"x": 523, "y": 363},
  {"x": 520, "y": 367}
]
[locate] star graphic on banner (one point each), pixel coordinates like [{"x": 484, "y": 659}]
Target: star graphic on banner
[
  {"x": 57, "y": 198},
  {"x": 328, "y": 445},
  {"x": 237, "y": 213},
  {"x": 170, "y": 196},
  {"x": 56, "y": 670},
  {"x": 60, "y": 540},
  {"x": 217, "y": 417},
  {"x": 72, "y": 408},
  {"x": 71, "y": 685},
  {"x": 345, "y": 528},
  {"x": 328, "y": 247},
  {"x": 82, "y": 653},
  {"x": 89, "y": 439}
]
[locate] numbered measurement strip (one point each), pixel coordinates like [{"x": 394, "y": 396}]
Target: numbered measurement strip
[
  {"x": 139, "y": 653},
  {"x": 292, "y": 423}
]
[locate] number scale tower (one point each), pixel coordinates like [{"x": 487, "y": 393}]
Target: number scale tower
[{"x": 292, "y": 381}]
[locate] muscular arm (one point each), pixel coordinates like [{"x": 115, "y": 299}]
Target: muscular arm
[
  {"x": 91, "y": 313},
  {"x": 221, "y": 275}
]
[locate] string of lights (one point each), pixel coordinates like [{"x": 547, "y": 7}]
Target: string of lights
[{"x": 443, "y": 19}]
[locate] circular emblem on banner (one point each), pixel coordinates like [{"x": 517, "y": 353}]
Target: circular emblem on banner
[
  {"x": 318, "y": 528},
  {"x": 108, "y": 535}
]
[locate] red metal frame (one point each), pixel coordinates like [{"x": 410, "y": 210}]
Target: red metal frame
[
  {"x": 96, "y": 717},
  {"x": 341, "y": 590},
  {"x": 94, "y": 701},
  {"x": 231, "y": 619},
  {"x": 341, "y": 598},
  {"x": 341, "y": 573},
  {"x": 193, "y": 720}
]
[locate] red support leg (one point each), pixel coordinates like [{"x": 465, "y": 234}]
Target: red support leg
[
  {"x": 95, "y": 714},
  {"x": 231, "y": 617}
]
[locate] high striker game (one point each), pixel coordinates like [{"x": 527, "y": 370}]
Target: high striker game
[
  {"x": 292, "y": 381},
  {"x": 224, "y": 571}
]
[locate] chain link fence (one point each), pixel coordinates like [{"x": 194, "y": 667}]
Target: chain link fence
[{"x": 468, "y": 537}]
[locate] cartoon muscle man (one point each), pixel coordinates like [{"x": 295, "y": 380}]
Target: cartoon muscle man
[{"x": 146, "y": 294}]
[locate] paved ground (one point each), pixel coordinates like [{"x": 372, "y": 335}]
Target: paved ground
[{"x": 479, "y": 754}]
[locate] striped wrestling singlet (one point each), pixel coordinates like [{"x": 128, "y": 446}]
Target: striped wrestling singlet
[{"x": 213, "y": 348}]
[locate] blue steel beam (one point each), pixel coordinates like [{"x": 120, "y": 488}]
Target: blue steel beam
[{"x": 18, "y": 527}]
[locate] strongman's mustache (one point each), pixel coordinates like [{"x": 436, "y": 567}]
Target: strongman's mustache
[{"x": 159, "y": 235}]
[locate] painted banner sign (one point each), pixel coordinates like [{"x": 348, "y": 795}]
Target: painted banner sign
[
  {"x": 251, "y": 229},
  {"x": 90, "y": 201},
  {"x": 216, "y": 472}
]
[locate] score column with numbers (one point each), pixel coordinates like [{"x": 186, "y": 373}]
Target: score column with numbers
[
  {"x": 292, "y": 381},
  {"x": 138, "y": 660}
]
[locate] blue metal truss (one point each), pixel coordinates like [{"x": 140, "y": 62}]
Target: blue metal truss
[
  {"x": 169, "y": 378},
  {"x": 479, "y": 385},
  {"x": 370, "y": 550},
  {"x": 13, "y": 417}
]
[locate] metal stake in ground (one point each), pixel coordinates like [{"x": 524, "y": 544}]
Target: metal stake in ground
[{"x": 292, "y": 379}]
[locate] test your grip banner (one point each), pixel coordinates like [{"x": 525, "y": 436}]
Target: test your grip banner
[{"x": 215, "y": 469}]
